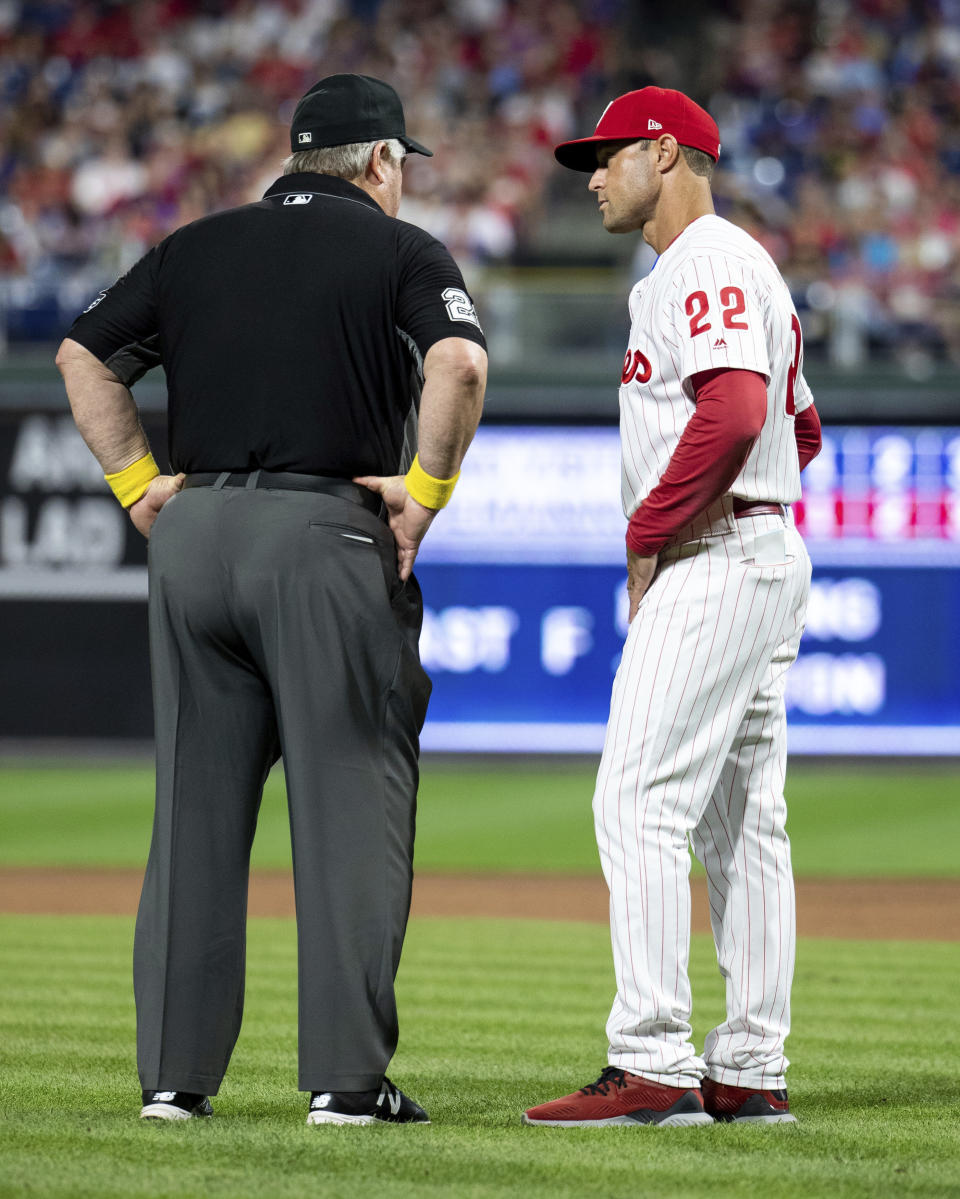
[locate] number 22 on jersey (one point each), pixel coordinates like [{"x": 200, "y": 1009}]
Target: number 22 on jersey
[{"x": 733, "y": 305}]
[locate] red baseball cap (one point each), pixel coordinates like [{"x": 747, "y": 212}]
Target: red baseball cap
[{"x": 646, "y": 113}]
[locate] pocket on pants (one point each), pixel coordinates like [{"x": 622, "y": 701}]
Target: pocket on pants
[
  {"x": 360, "y": 546},
  {"x": 346, "y": 532},
  {"x": 767, "y": 548}
]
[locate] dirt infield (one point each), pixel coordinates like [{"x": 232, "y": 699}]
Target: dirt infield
[{"x": 900, "y": 909}]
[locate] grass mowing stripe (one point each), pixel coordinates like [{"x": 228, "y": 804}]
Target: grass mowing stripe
[
  {"x": 865, "y": 820},
  {"x": 495, "y": 1016}
]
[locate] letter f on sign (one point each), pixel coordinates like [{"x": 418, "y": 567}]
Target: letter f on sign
[{"x": 565, "y": 635}]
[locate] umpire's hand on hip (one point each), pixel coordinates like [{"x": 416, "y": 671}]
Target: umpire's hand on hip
[
  {"x": 144, "y": 512},
  {"x": 408, "y": 519}
]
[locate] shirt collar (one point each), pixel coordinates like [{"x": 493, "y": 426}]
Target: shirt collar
[
  {"x": 324, "y": 185},
  {"x": 669, "y": 246}
]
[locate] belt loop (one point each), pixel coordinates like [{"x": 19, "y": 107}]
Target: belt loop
[
  {"x": 252, "y": 480},
  {"x": 221, "y": 480}
]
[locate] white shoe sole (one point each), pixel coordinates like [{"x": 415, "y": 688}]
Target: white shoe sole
[
  {"x": 322, "y": 1117},
  {"x": 164, "y": 1111},
  {"x": 784, "y": 1118},
  {"x": 688, "y": 1120}
]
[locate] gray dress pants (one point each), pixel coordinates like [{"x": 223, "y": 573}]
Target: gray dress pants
[{"x": 278, "y": 626}]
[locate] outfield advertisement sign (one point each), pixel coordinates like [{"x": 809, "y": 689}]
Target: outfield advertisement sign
[
  {"x": 527, "y": 604},
  {"x": 524, "y": 583},
  {"x": 530, "y": 667}
]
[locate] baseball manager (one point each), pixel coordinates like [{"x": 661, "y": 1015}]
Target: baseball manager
[
  {"x": 325, "y": 371},
  {"x": 716, "y": 423}
]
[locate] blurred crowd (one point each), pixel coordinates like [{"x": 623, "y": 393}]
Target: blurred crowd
[
  {"x": 840, "y": 122},
  {"x": 124, "y": 120}
]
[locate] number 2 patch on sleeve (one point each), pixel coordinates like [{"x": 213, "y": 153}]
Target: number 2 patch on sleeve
[
  {"x": 733, "y": 304},
  {"x": 459, "y": 306}
]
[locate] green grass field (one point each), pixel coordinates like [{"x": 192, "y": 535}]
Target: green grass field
[
  {"x": 858, "y": 820},
  {"x": 496, "y": 1015}
]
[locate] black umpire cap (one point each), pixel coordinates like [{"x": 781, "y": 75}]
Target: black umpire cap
[{"x": 343, "y": 109}]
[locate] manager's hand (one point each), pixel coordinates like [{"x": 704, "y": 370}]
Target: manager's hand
[
  {"x": 144, "y": 512},
  {"x": 640, "y": 572},
  {"x": 408, "y": 519}
]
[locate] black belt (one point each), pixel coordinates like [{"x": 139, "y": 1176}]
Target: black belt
[
  {"x": 756, "y": 508},
  {"x": 283, "y": 480}
]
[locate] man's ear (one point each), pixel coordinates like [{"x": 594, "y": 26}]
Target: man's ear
[
  {"x": 375, "y": 171},
  {"x": 668, "y": 151}
]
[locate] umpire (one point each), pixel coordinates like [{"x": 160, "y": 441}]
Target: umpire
[{"x": 311, "y": 342}]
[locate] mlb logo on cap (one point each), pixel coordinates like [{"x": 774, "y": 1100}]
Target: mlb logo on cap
[{"x": 345, "y": 110}]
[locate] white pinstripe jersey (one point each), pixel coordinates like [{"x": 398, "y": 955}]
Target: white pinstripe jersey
[{"x": 713, "y": 299}]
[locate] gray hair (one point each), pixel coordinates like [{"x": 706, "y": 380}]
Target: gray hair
[{"x": 347, "y": 162}]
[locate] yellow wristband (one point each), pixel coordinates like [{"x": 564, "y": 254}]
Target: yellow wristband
[
  {"x": 425, "y": 489},
  {"x": 129, "y": 484}
]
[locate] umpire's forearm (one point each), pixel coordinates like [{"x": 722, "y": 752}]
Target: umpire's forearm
[
  {"x": 455, "y": 377},
  {"x": 103, "y": 408}
]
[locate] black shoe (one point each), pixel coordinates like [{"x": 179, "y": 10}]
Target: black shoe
[
  {"x": 174, "y": 1105},
  {"x": 387, "y": 1105}
]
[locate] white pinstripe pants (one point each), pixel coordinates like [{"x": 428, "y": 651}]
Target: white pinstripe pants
[{"x": 696, "y": 749}]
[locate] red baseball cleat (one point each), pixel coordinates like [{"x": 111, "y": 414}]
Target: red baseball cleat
[
  {"x": 746, "y": 1106},
  {"x": 621, "y": 1098}
]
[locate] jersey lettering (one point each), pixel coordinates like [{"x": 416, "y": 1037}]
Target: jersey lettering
[
  {"x": 734, "y": 304},
  {"x": 797, "y": 335},
  {"x": 636, "y": 365},
  {"x": 732, "y": 301},
  {"x": 696, "y": 308}
]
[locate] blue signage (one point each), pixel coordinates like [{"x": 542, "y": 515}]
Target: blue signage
[
  {"x": 524, "y": 581},
  {"x": 523, "y": 657}
]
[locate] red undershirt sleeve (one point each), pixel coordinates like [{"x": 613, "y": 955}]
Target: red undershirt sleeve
[
  {"x": 731, "y": 409},
  {"x": 806, "y": 430}
]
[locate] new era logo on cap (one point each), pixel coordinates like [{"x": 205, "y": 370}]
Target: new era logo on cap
[{"x": 652, "y": 124}]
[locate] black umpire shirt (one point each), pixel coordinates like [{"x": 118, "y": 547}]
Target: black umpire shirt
[{"x": 292, "y": 331}]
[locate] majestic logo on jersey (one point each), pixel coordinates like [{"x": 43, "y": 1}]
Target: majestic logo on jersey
[
  {"x": 637, "y": 366},
  {"x": 298, "y": 199},
  {"x": 652, "y": 124},
  {"x": 720, "y": 344},
  {"x": 459, "y": 306},
  {"x": 304, "y": 138}
]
